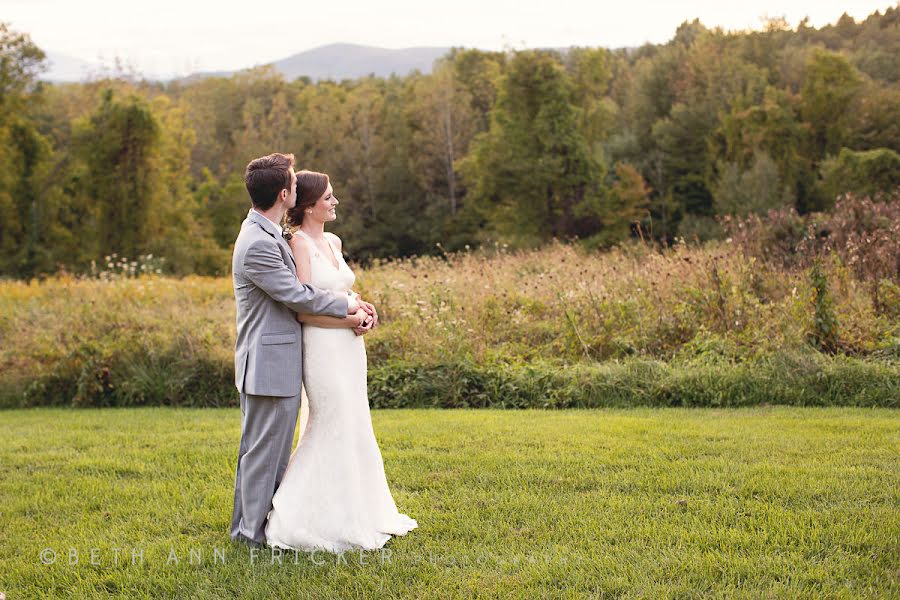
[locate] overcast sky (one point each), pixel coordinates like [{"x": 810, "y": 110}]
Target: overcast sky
[{"x": 176, "y": 37}]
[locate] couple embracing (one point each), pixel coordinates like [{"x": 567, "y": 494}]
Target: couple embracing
[{"x": 298, "y": 321}]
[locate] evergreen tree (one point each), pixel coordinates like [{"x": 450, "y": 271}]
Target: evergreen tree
[
  {"x": 119, "y": 147},
  {"x": 532, "y": 168}
]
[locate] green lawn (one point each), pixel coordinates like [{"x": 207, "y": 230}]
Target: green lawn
[{"x": 785, "y": 502}]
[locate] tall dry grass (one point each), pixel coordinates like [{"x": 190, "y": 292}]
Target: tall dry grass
[
  {"x": 558, "y": 303},
  {"x": 558, "y": 315}
]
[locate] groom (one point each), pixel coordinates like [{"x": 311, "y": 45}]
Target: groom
[{"x": 267, "y": 355}]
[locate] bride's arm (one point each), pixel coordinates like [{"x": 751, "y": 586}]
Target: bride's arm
[
  {"x": 349, "y": 322},
  {"x": 366, "y": 306},
  {"x": 304, "y": 274}
]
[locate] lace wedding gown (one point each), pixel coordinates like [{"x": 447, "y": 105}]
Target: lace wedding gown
[{"x": 334, "y": 495}]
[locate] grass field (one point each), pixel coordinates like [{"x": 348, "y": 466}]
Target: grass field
[{"x": 759, "y": 502}]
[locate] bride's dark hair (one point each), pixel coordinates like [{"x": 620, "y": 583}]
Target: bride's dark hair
[{"x": 310, "y": 187}]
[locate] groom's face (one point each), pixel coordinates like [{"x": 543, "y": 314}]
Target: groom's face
[{"x": 291, "y": 199}]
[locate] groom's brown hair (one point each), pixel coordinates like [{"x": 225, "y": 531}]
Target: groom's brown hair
[{"x": 266, "y": 176}]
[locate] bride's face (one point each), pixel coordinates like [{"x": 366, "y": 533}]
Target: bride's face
[{"x": 323, "y": 209}]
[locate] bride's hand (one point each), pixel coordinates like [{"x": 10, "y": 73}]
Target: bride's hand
[
  {"x": 369, "y": 308},
  {"x": 366, "y": 322}
]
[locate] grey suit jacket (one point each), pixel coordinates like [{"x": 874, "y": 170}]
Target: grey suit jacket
[{"x": 267, "y": 354}]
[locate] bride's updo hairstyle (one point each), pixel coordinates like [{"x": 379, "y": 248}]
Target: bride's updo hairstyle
[{"x": 310, "y": 187}]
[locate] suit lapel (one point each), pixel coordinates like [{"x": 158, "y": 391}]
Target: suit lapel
[
  {"x": 270, "y": 228},
  {"x": 287, "y": 248}
]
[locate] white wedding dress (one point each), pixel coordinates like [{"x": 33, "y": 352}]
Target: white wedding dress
[{"x": 334, "y": 495}]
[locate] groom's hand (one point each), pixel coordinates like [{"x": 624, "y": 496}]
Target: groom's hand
[
  {"x": 369, "y": 308},
  {"x": 365, "y": 323}
]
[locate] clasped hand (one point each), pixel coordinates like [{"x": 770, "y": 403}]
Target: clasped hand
[{"x": 366, "y": 315}]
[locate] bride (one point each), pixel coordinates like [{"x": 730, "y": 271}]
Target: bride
[{"x": 334, "y": 495}]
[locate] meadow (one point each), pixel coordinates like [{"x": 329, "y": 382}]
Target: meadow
[
  {"x": 777, "y": 502},
  {"x": 781, "y": 331},
  {"x": 688, "y": 325}
]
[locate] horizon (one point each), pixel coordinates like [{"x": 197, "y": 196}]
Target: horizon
[{"x": 210, "y": 40}]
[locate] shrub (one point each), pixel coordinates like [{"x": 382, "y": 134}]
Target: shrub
[
  {"x": 863, "y": 173},
  {"x": 825, "y": 324},
  {"x": 863, "y": 231},
  {"x": 807, "y": 379}
]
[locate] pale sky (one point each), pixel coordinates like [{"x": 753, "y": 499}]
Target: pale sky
[{"x": 177, "y": 37}]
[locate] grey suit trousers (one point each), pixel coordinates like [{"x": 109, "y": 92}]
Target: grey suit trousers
[{"x": 266, "y": 439}]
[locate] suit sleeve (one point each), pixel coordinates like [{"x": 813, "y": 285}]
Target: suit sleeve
[{"x": 264, "y": 266}]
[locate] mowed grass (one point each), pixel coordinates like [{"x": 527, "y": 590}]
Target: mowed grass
[{"x": 761, "y": 502}]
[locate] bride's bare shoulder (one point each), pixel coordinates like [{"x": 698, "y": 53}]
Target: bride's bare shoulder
[{"x": 298, "y": 247}]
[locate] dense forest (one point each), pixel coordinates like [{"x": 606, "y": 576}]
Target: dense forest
[{"x": 516, "y": 147}]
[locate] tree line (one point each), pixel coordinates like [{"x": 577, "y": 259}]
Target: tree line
[{"x": 518, "y": 147}]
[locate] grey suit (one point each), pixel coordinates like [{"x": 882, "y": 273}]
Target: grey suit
[{"x": 267, "y": 364}]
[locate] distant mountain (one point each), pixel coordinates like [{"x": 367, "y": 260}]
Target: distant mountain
[
  {"x": 61, "y": 67},
  {"x": 334, "y": 61},
  {"x": 349, "y": 61}
]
